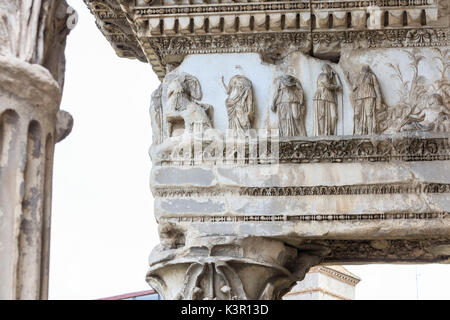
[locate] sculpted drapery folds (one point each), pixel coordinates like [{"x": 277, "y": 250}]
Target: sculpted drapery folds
[
  {"x": 325, "y": 103},
  {"x": 240, "y": 104},
  {"x": 239, "y": 217},
  {"x": 367, "y": 100},
  {"x": 289, "y": 105}
]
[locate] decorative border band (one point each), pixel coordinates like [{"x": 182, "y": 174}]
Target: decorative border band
[
  {"x": 379, "y": 148},
  {"x": 296, "y": 191},
  {"x": 274, "y": 6},
  {"x": 348, "y": 189},
  {"x": 311, "y": 217},
  {"x": 142, "y": 12},
  {"x": 373, "y": 150}
]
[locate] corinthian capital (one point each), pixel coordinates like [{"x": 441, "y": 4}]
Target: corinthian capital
[{"x": 230, "y": 269}]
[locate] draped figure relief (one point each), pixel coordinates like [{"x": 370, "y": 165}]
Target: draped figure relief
[
  {"x": 367, "y": 101},
  {"x": 289, "y": 105},
  {"x": 240, "y": 104},
  {"x": 325, "y": 103},
  {"x": 244, "y": 213}
]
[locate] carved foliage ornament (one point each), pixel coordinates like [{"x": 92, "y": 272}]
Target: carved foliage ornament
[{"x": 226, "y": 269}]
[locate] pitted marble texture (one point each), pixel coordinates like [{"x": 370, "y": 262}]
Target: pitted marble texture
[{"x": 358, "y": 172}]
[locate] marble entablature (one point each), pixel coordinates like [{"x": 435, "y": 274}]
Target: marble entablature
[{"x": 288, "y": 134}]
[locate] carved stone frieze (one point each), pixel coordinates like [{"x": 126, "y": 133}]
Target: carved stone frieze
[
  {"x": 360, "y": 149},
  {"x": 330, "y": 142},
  {"x": 383, "y": 148},
  {"x": 297, "y": 191},
  {"x": 163, "y": 32},
  {"x": 312, "y": 217},
  {"x": 265, "y": 43}
]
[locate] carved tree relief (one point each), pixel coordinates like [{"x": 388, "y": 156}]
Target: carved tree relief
[{"x": 421, "y": 106}]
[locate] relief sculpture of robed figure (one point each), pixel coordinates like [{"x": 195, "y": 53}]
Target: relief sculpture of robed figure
[
  {"x": 289, "y": 105},
  {"x": 325, "y": 103},
  {"x": 240, "y": 104},
  {"x": 367, "y": 100}
]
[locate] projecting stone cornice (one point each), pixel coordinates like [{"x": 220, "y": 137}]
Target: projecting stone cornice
[{"x": 163, "y": 32}]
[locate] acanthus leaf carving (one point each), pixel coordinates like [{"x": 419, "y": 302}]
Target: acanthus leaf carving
[{"x": 232, "y": 270}]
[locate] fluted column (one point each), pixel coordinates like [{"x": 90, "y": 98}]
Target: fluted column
[{"x": 31, "y": 78}]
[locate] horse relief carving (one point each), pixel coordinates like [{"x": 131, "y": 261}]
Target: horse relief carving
[{"x": 183, "y": 94}]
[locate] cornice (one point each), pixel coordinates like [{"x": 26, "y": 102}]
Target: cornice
[{"x": 163, "y": 32}]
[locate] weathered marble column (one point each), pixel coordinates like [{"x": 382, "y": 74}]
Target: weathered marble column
[
  {"x": 32, "y": 42},
  {"x": 288, "y": 134}
]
